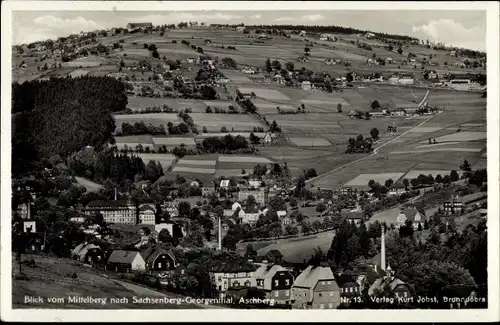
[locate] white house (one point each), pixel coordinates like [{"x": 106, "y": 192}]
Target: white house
[
  {"x": 147, "y": 214},
  {"x": 29, "y": 226},
  {"x": 306, "y": 85},
  {"x": 302, "y": 33}
]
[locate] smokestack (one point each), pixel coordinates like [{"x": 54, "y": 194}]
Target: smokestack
[
  {"x": 382, "y": 249},
  {"x": 220, "y": 233},
  {"x": 28, "y": 208},
  {"x": 115, "y": 194}
]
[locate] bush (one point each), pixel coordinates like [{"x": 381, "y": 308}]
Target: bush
[{"x": 74, "y": 275}]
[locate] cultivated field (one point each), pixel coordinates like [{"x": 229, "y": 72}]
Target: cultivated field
[
  {"x": 232, "y": 122},
  {"x": 173, "y": 141},
  {"x": 415, "y": 173},
  {"x": 310, "y": 142},
  {"x": 91, "y": 61},
  {"x": 363, "y": 179},
  {"x": 264, "y": 93},
  {"x": 164, "y": 159},
  {"x": 155, "y": 119}
]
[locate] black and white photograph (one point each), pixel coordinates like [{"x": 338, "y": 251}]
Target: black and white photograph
[{"x": 180, "y": 155}]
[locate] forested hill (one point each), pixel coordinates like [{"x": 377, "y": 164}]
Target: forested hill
[{"x": 60, "y": 116}]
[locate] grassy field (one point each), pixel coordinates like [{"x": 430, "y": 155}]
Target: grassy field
[
  {"x": 363, "y": 179},
  {"x": 232, "y": 122},
  {"x": 88, "y": 184}
]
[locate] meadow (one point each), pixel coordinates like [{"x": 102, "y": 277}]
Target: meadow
[{"x": 232, "y": 122}]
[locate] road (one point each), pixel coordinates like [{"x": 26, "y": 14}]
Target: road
[{"x": 375, "y": 152}]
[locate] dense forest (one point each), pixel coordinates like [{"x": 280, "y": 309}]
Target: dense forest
[{"x": 60, "y": 116}]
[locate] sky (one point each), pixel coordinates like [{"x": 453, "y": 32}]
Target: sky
[{"x": 464, "y": 28}]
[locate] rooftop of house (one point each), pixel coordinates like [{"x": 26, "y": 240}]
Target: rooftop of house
[
  {"x": 108, "y": 204},
  {"x": 234, "y": 268},
  {"x": 83, "y": 248},
  {"x": 311, "y": 275},
  {"x": 267, "y": 272},
  {"x": 398, "y": 185},
  {"x": 150, "y": 254},
  {"x": 123, "y": 257},
  {"x": 344, "y": 279},
  {"x": 411, "y": 212},
  {"x": 146, "y": 207},
  {"x": 381, "y": 283}
]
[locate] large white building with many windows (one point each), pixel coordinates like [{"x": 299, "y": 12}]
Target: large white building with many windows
[{"x": 121, "y": 212}]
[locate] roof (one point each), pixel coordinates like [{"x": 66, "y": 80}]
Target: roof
[
  {"x": 267, "y": 273},
  {"x": 83, "y": 248},
  {"x": 398, "y": 185},
  {"x": 353, "y": 215},
  {"x": 344, "y": 279},
  {"x": 233, "y": 268},
  {"x": 109, "y": 204},
  {"x": 123, "y": 257},
  {"x": 411, "y": 212},
  {"x": 152, "y": 253},
  {"x": 311, "y": 275},
  {"x": 146, "y": 207},
  {"x": 381, "y": 283}
]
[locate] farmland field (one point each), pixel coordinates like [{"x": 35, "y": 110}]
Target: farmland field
[
  {"x": 232, "y": 122},
  {"x": 150, "y": 118},
  {"x": 173, "y": 141},
  {"x": 250, "y": 159},
  {"x": 165, "y": 159},
  {"x": 223, "y": 134},
  {"x": 300, "y": 249},
  {"x": 463, "y": 136},
  {"x": 310, "y": 142},
  {"x": 193, "y": 170},
  {"x": 267, "y": 94},
  {"x": 91, "y": 61},
  {"x": 363, "y": 179},
  {"x": 195, "y": 162},
  {"x": 414, "y": 173}
]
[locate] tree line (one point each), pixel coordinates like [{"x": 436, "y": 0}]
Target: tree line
[{"x": 60, "y": 116}]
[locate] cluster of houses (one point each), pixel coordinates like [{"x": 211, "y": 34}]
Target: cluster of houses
[{"x": 315, "y": 287}]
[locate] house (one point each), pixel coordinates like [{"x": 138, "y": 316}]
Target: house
[
  {"x": 22, "y": 210},
  {"x": 113, "y": 211},
  {"x": 388, "y": 60},
  {"x": 394, "y": 79},
  {"x": 88, "y": 253},
  {"x": 347, "y": 190},
  {"x": 36, "y": 243},
  {"x": 29, "y": 226},
  {"x": 348, "y": 284},
  {"x": 400, "y": 289},
  {"x": 258, "y": 193},
  {"x": 412, "y": 214},
  {"x": 133, "y": 26},
  {"x": 274, "y": 256},
  {"x": 191, "y": 60},
  {"x": 286, "y": 221},
  {"x": 231, "y": 275},
  {"x": 240, "y": 28},
  {"x": 397, "y": 189},
  {"x": 306, "y": 85},
  {"x": 276, "y": 281},
  {"x": 121, "y": 260},
  {"x": 147, "y": 214},
  {"x": 315, "y": 288},
  {"x": 248, "y": 70},
  {"x": 454, "y": 206},
  {"x": 158, "y": 259},
  {"x": 399, "y": 112},
  {"x": 351, "y": 216},
  {"x": 279, "y": 79},
  {"x": 78, "y": 219},
  {"x": 224, "y": 183},
  {"x": 406, "y": 79},
  {"x": 207, "y": 190},
  {"x": 302, "y": 33},
  {"x": 172, "y": 227},
  {"x": 269, "y": 137}
]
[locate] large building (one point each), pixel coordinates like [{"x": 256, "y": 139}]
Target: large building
[
  {"x": 260, "y": 194},
  {"x": 113, "y": 211}
]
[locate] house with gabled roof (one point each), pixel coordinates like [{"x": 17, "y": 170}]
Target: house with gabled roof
[
  {"x": 416, "y": 216},
  {"x": 158, "y": 259},
  {"x": 276, "y": 281},
  {"x": 122, "y": 260},
  {"x": 315, "y": 288},
  {"x": 147, "y": 214},
  {"x": 87, "y": 253}
]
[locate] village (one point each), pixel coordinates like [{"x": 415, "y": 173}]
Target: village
[{"x": 233, "y": 174}]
